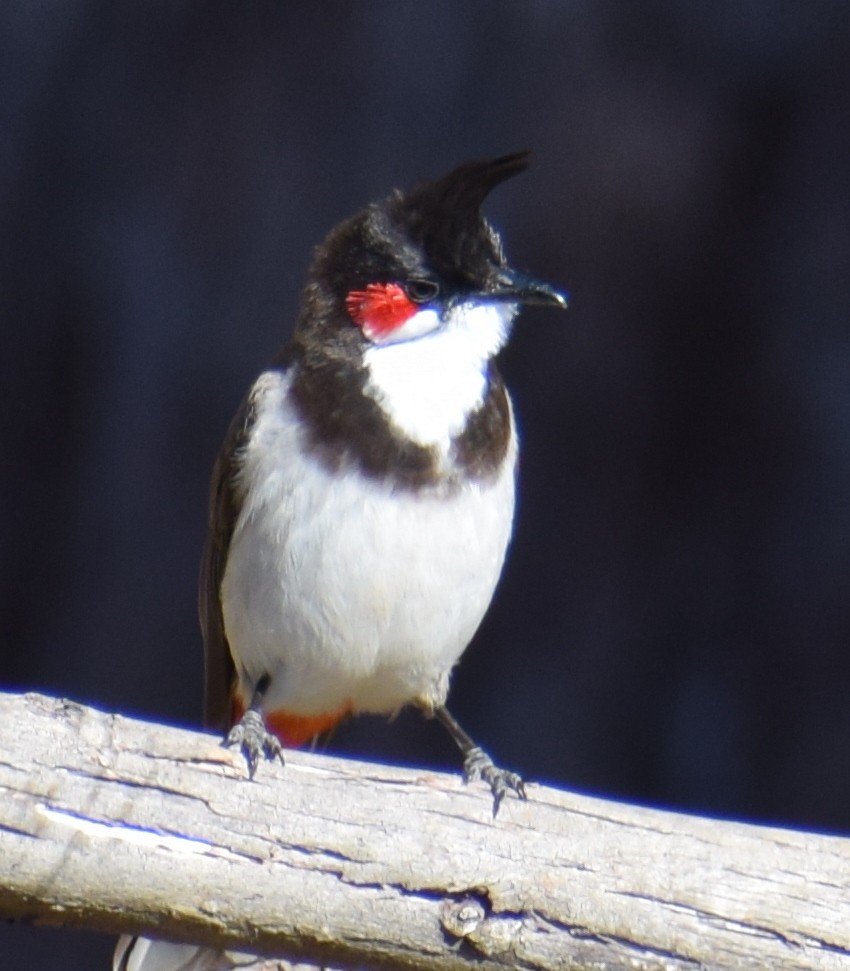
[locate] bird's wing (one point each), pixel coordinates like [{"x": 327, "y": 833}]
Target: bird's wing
[{"x": 225, "y": 504}]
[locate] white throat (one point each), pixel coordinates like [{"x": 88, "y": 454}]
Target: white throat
[{"x": 428, "y": 386}]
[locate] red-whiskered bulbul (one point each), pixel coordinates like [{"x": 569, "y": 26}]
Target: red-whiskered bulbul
[{"x": 363, "y": 500}]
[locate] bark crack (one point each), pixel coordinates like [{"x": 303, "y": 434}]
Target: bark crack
[{"x": 721, "y": 920}]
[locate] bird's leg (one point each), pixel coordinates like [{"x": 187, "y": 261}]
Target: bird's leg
[
  {"x": 250, "y": 732},
  {"x": 477, "y": 764}
]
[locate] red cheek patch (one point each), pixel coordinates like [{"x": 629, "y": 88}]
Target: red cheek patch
[{"x": 379, "y": 309}]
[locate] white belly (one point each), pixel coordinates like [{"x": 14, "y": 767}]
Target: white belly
[{"x": 346, "y": 593}]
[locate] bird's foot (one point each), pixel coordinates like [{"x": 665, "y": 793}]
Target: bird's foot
[
  {"x": 477, "y": 764},
  {"x": 254, "y": 740}
]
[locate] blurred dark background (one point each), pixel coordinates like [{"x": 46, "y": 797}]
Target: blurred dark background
[{"x": 673, "y": 622}]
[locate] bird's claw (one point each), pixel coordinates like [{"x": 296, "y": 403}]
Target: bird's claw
[
  {"x": 478, "y": 765},
  {"x": 254, "y": 740}
]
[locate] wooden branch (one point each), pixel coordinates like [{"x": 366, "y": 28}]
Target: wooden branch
[{"x": 123, "y": 826}]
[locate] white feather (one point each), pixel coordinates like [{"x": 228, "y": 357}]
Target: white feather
[
  {"x": 346, "y": 591},
  {"x": 428, "y": 386},
  {"x": 143, "y": 954}
]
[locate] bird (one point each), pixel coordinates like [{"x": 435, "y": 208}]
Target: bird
[{"x": 362, "y": 503}]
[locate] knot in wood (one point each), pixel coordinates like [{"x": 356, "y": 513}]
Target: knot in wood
[{"x": 460, "y": 918}]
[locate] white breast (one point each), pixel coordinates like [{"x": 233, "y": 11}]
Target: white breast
[
  {"x": 347, "y": 592},
  {"x": 428, "y": 387}
]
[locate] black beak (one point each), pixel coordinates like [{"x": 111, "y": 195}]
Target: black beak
[{"x": 511, "y": 286}]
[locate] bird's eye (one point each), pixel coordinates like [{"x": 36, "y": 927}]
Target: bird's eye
[{"x": 421, "y": 290}]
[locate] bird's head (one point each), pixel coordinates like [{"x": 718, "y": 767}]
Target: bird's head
[{"x": 419, "y": 261}]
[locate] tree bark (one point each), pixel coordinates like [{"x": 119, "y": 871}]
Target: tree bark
[{"x": 124, "y": 826}]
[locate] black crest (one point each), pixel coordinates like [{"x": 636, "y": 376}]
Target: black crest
[
  {"x": 461, "y": 193},
  {"x": 444, "y": 216}
]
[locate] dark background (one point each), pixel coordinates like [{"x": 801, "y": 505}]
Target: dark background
[{"x": 673, "y": 622}]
